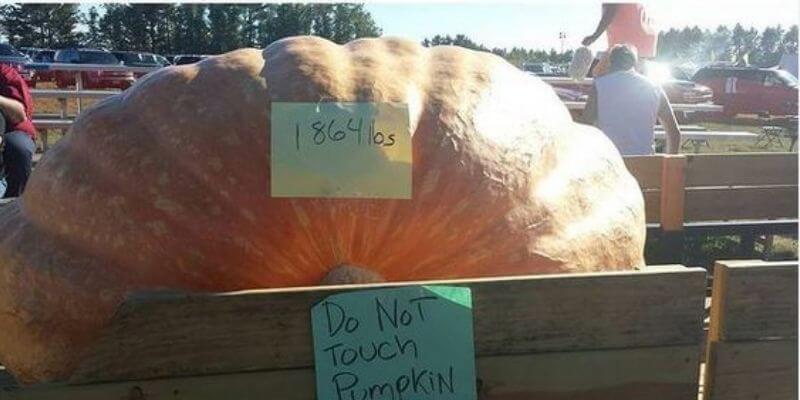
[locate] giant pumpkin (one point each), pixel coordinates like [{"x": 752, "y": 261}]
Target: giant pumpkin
[{"x": 167, "y": 186}]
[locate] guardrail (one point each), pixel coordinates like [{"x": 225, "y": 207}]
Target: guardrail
[
  {"x": 79, "y": 68},
  {"x": 86, "y": 67},
  {"x": 698, "y": 107},
  {"x": 564, "y": 79},
  {"x": 79, "y": 93}
]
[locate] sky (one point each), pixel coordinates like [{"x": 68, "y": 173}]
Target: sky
[{"x": 537, "y": 23}]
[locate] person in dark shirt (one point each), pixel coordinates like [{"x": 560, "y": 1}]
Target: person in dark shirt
[{"x": 16, "y": 109}]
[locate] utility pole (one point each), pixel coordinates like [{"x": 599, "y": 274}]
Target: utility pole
[{"x": 562, "y": 36}]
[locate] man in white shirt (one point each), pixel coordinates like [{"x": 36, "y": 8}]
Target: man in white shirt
[{"x": 625, "y": 105}]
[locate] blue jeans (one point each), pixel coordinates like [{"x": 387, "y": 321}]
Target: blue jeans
[{"x": 18, "y": 149}]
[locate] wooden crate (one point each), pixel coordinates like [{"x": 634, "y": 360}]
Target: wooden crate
[
  {"x": 752, "y": 349},
  {"x": 680, "y": 189},
  {"x": 614, "y": 335}
]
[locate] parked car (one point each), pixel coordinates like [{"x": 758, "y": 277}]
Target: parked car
[
  {"x": 677, "y": 84},
  {"x": 569, "y": 94},
  {"x": 13, "y": 57},
  {"x": 139, "y": 59},
  {"x": 540, "y": 69},
  {"x": 162, "y": 60},
  {"x": 43, "y": 56},
  {"x": 750, "y": 90},
  {"x": 92, "y": 79},
  {"x": 182, "y": 59}
]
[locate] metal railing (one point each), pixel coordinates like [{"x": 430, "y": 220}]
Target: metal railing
[
  {"x": 79, "y": 93},
  {"x": 79, "y": 68}
]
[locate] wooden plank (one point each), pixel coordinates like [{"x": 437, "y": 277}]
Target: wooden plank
[
  {"x": 52, "y": 123},
  {"x": 764, "y": 370},
  {"x": 672, "y": 192},
  {"x": 652, "y": 206},
  {"x": 175, "y": 335},
  {"x": 646, "y": 170},
  {"x": 72, "y": 94},
  {"x": 644, "y": 373},
  {"x": 745, "y": 169},
  {"x": 289, "y": 384},
  {"x": 746, "y": 203},
  {"x": 653, "y": 373},
  {"x": 753, "y": 300}
]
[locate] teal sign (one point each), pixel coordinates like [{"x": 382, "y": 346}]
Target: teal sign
[{"x": 407, "y": 343}]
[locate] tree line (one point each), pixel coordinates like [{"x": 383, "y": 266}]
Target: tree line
[
  {"x": 691, "y": 44},
  {"x": 515, "y": 55},
  {"x": 217, "y": 28},
  {"x": 737, "y": 44},
  {"x": 181, "y": 28}
]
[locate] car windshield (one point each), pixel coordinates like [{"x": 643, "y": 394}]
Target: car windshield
[
  {"x": 148, "y": 59},
  {"x": 97, "y": 57},
  {"x": 128, "y": 58},
  {"x": 535, "y": 68},
  {"x": 787, "y": 78},
  {"x": 44, "y": 56},
  {"x": 187, "y": 60},
  {"x": 7, "y": 50}
]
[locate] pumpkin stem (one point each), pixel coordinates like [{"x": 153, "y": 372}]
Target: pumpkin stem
[{"x": 347, "y": 274}]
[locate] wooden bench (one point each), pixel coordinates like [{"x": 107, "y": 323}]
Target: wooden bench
[
  {"x": 621, "y": 335},
  {"x": 745, "y": 194},
  {"x": 752, "y": 349}
]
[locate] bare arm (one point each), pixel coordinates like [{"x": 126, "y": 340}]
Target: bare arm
[
  {"x": 609, "y": 10},
  {"x": 670, "y": 124},
  {"x": 12, "y": 110},
  {"x": 589, "y": 115}
]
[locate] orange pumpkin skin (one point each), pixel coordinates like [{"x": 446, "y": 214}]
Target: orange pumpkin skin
[{"x": 167, "y": 186}]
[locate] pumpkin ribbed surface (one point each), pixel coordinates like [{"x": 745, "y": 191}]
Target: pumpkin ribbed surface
[{"x": 167, "y": 186}]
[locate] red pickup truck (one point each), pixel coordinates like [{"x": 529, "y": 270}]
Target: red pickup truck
[
  {"x": 92, "y": 79},
  {"x": 750, "y": 90}
]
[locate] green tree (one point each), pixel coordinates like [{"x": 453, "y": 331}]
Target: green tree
[
  {"x": 113, "y": 26},
  {"x": 789, "y": 42},
  {"x": 768, "y": 52},
  {"x": 225, "y": 25},
  {"x": 94, "y": 35},
  {"x": 352, "y": 21},
  {"x": 142, "y": 27},
  {"x": 192, "y": 30},
  {"x": 720, "y": 45},
  {"x": 322, "y": 20},
  {"x": 40, "y": 25},
  {"x": 744, "y": 42},
  {"x": 251, "y": 15},
  {"x": 290, "y": 20}
]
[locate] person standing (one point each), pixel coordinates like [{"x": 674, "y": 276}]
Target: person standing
[
  {"x": 16, "y": 109},
  {"x": 626, "y": 23},
  {"x": 625, "y": 105}
]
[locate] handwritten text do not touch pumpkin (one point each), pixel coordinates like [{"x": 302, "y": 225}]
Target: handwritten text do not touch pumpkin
[{"x": 395, "y": 343}]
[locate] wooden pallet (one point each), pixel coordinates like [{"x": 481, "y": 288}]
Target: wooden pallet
[
  {"x": 752, "y": 350},
  {"x": 617, "y": 335}
]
